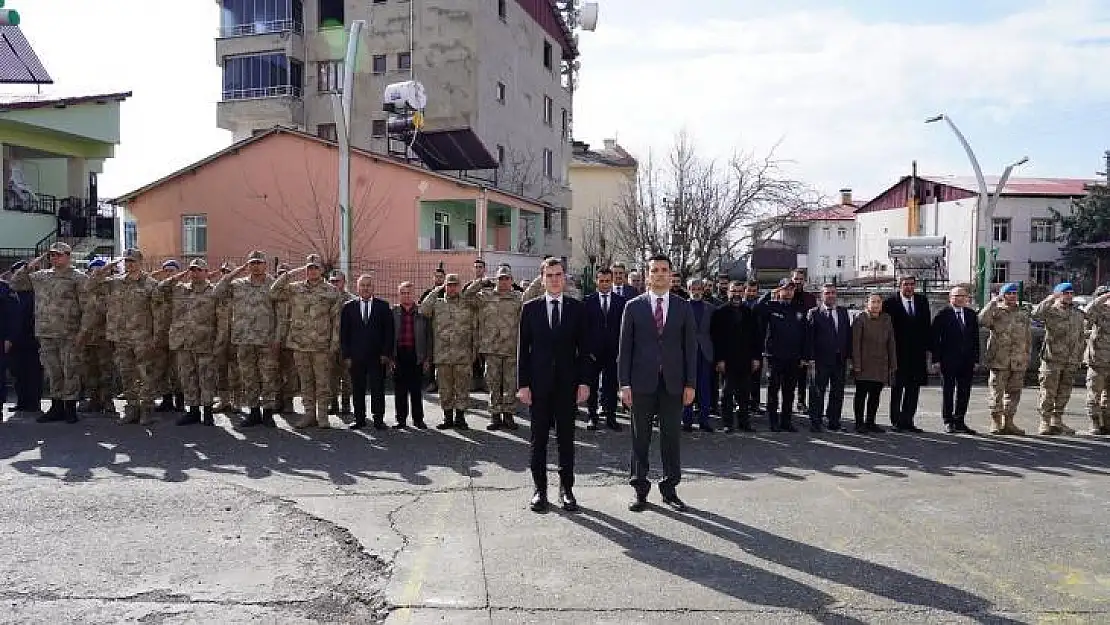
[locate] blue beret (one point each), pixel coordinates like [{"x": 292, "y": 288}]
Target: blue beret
[
  {"x": 786, "y": 282},
  {"x": 19, "y": 264},
  {"x": 1009, "y": 287},
  {"x": 170, "y": 263},
  {"x": 1063, "y": 287},
  {"x": 97, "y": 263}
]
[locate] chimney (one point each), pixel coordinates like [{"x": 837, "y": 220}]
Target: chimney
[
  {"x": 845, "y": 197},
  {"x": 610, "y": 144}
]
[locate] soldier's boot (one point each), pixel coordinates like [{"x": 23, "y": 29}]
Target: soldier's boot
[
  {"x": 253, "y": 419},
  {"x": 448, "y": 420},
  {"x": 1009, "y": 427},
  {"x": 1047, "y": 429},
  {"x": 996, "y": 424},
  {"x": 130, "y": 415},
  {"x": 268, "y": 418},
  {"x": 1061, "y": 427},
  {"x": 52, "y": 414},
  {"x": 495, "y": 422},
  {"x": 206, "y": 417},
  {"x": 191, "y": 417},
  {"x": 166, "y": 405},
  {"x": 460, "y": 420},
  {"x": 322, "y": 419},
  {"x": 509, "y": 422},
  {"x": 146, "y": 415}
]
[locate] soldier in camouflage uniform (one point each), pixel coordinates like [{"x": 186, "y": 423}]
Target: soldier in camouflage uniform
[
  {"x": 229, "y": 389},
  {"x": 312, "y": 332},
  {"x": 97, "y": 368},
  {"x": 453, "y": 351},
  {"x": 1097, "y": 357},
  {"x": 1007, "y": 357},
  {"x": 58, "y": 301},
  {"x": 193, "y": 338},
  {"x": 253, "y": 337},
  {"x": 287, "y": 368},
  {"x": 498, "y": 306},
  {"x": 165, "y": 369},
  {"x": 340, "y": 404},
  {"x": 1061, "y": 355},
  {"x": 130, "y": 329}
]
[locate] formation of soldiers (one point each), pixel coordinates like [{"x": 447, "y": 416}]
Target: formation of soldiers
[{"x": 199, "y": 341}]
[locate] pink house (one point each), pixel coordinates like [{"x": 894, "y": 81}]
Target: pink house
[{"x": 276, "y": 191}]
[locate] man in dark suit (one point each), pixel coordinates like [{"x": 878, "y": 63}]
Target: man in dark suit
[
  {"x": 603, "y": 313},
  {"x": 909, "y": 312},
  {"x": 956, "y": 349},
  {"x": 738, "y": 351},
  {"x": 804, "y": 301},
  {"x": 366, "y": 343},
  {"x": 620, "y": 282},
  {"x": 703, "y": 387},
  {"x": 657, "y": 367},
  {"x": 412, "y": 356},
  {"x": 828, "y": 350},
  {"x": 553, "y": 367}
]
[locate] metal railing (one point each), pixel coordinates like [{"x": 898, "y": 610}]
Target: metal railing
[
  {"x": 262, "y": 28},
  {"x": 262, "y": 92},
  {"x": 41, "y": 203}
]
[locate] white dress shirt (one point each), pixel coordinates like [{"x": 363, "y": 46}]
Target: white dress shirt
[
  {"x": 606, "y": 300},
  {"x": 555, "y": 298},
  {"x": 366, "y": 310},
  {"x": 907, "y": 303},
  {"x": 831, "y": 312}
]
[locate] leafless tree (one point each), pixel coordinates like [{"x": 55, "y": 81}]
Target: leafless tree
[
  {"x": 522, "y": 173},
  {"x": 302, "y": 224},
  {"x": 595, "y": 240},
  {"x": 699, "y": 210}
]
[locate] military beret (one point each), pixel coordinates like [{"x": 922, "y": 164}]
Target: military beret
[
  {"x": 169, "y": 262},
  {"x": 1009, "y": 287},
  {"x": 97, "y": 263},
  {"x": 1064, "y": 287}
]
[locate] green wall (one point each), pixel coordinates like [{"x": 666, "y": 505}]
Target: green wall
[{"x": 24, "y": 230}]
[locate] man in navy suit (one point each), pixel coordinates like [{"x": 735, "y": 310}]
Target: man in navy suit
[
  {"x": 553, "y": 367},
  {"x": 657, "y": 368},
  {"x": 909, "y": 312},
  {"x": 828, "y": 349},
  {"x": 703, "y": 389},
  {"x": 603, "y": 312},
  {"x": 956, "y": 348},
  {"x": 366, "y": 343}
]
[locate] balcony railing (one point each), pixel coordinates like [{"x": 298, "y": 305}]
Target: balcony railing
[
  {"x": 262, "y": 92},
  {"x": 262, "y": 28},
  {"x": 40, "y": 203}
]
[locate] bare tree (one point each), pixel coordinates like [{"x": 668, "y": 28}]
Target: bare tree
[
  {"x": 595, "y": 240},
  {"x": 522, "y": 173},
  {"x": 700, "y": 210},
  {"x": 309, "y": 223}
]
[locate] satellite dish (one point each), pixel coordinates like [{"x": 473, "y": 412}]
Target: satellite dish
[
  {"x": 409, "y": 94},
  {"x": 587, "y": 17}
]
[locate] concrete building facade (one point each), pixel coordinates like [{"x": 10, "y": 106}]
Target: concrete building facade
[
  {"x": 823, "y": 242},
  {"x": 600, "y": 181},
  {"x": 498, "y": 73}
]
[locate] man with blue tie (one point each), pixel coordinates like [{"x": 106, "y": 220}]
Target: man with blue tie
[
  {"x": 955, "y": 348},
  {"x": 829, "y": 348},
  {"x": 603, "y": 311}
]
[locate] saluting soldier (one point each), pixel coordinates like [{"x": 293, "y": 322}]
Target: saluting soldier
[
  {"x": 287, "y": 368},
  {"x": 1061, "y": 355},
  {"x": 97, "y": 368},
  {"x": 165, "y": 369},
  {"x": 1007, "y": 357},
  {"x": 228, "y": 388},
  {"x": 340, "y": 404},
  {"x": 192, "y": 338},
  {"x": 453, "y": 348},
  {"x": 499, "y": 308},
  {"x": 1097, "y": 357}
]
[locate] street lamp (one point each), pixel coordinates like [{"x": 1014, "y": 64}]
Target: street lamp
[
  {"x": 341, "y": 108},
  {"x": 984, "y": 208}
]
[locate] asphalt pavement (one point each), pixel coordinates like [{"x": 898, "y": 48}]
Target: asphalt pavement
[{"x": 102, "y": 523}]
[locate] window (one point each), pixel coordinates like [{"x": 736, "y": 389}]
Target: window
[
  {"x": 442, "y": 237},
  {"x": 548, "y": 163},
  {"x": 241, "y": 18},
  {"x": 501, "y": 9},
  {"x": 471, "y": 234},
  {"x": 1001, "y": 271},
  {"x": 565, "y": 125},
  {"x": 548, "y": 220},
  {"x": 378, "y": 64},
  {"x": 824, "y": 262},
  {"x": 379, "y": 1},
  {"x": 404, "y": 61},
  {"x": 548, "y": 55},
  {"x": 262, "y": 76},
  {"x": 377, "y": 128},
  {"x": 564, "y": 222},
  {"x": 327, "y": 132},
  {"x": 194, "y": 235},
  {"x": 500, "y": 93},
  {"x": 1001, "y": 227},
  {"x": 331, "y": 13},
  {"x": 1042, "y": 273},
  {"x": 842, "y": 234},
  {"x": 548, "y": 110},
  {"x": 329, "y": 76},
  {"x": 827, "y": 232},
  {"x": 1042, "y": 231},
  {"x": 130, "y": 235},
  {"x": 839, "y": 262},
  {"x": 500, "y": 155}
]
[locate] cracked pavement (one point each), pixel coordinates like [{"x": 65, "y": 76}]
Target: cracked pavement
[{"x": 102, "y": 523}]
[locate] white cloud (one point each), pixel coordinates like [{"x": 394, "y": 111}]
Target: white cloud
[{"x": 846, "y": 97}]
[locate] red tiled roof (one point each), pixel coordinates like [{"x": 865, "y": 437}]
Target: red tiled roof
[
  {"x": 837, "y": 212},
  {"x": 17, "y": 103},
  {"x": 1054, "y": 187}
]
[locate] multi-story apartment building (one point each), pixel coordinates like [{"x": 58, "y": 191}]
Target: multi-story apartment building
[
  {"x": 601, "y": 180},
  {"x": 499, "y": 75},
  {"x": 823, "y": 242}
]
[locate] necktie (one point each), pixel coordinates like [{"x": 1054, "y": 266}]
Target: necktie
[
  {"x": 832, "y": 317},
  {"x": 554, "y": 314},
  {"x": 960, "y": 318},
  {"x": 365, "y": 311},
  {"x": 659, "y": 314},
  {"x": 605, "y": 304}
]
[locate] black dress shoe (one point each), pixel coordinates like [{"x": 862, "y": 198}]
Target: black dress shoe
[
  {"x": 672, "y": 500},
  {"x": 639, "y": 504},
  {"x": 539, "y": 502},
  {"x": 951, "y": 428},
  {"x": 570, "y": 504},
  {"x": 708, "y": 429},
  {"x": 611, "y": 423},
  {"x": 420, "y": 425}
]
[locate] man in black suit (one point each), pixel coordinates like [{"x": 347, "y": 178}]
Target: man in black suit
[
  {"x": 956, "y": 349},
  {"x": 366, "y": 342},
  {"x": 909, "y": 312},
  {"x": 620, "y": 282},
  {"x": 828, "y": 350},
  {"x": 657, "y": 368},
  {"x": 553, "y": 366},
  {"x": 603, "y": 312},
  {"x": 738, "y": 351}
]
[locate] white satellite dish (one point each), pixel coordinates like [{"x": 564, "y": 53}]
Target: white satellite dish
[
  {"x": 587, "y": 17},
  {"x": 405, "y": 94}
]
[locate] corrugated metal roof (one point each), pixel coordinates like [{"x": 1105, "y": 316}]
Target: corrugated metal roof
[
  {"x": 18, "y": 62},
  {"x": 1052, "y": 187}
]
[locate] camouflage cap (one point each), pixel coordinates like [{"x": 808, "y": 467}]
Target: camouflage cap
[
  {"x": 313, "y": 260},
  {"x": 133, "y": 254},
  {"x": 199, "y": 263},
  {"x": 504, "y": 272},
  {"x": 60, "y": 248},
  {"x": 256, "y": 256},
  {"x": 452, "y": 278}
]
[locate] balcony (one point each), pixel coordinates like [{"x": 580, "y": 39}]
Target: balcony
[
  {"x": 451, "y": 226},
  {"x": 269, "y": 27}
]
